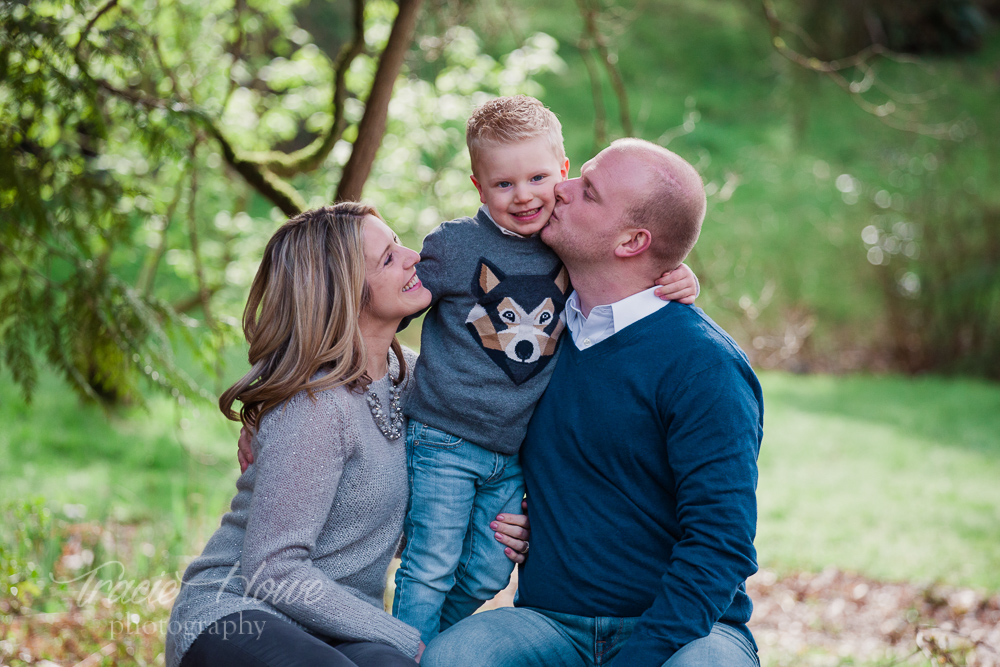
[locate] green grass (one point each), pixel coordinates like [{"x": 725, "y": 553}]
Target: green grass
[
  {"x": 891, "y": 477},
  {"x": 160, "y": 463}
]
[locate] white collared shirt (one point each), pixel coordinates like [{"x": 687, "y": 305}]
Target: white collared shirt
[
  {"x": 486, "y": 209},
  {"x": 607, "y": 320}
]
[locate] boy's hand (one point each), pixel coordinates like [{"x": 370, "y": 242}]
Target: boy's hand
[
  {"x": 678, "y": 285},
  {"x": 245, "y": 452}
]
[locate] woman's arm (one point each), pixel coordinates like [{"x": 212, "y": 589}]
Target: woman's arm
[{"x": 299, "y": 466}]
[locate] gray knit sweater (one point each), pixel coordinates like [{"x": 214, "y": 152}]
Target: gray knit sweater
[{"x": 312, "y": 528}]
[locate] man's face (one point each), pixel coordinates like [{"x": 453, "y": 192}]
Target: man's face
[
  {"x": 515, "y": 181},
  {"x": 589, "y": 210}
]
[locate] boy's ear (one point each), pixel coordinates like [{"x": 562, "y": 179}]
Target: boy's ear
[
  {"x": 632, "y": 243},
  {"x": 479, "y": 188},
  {"x": 564, "y": 170}
]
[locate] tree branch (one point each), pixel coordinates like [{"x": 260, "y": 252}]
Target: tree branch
[
  {"x": 885, "y": 112},
  {"x": 600, "y": 115},
  {"x": 90, "y": 24},
  {"x": 147, "y": 277},
  {"x": 589, "y": 12},
  {"x": 313, "y": 155},
  {"x": 372, "y": 125},
  {"x": 204, "y": 297}
]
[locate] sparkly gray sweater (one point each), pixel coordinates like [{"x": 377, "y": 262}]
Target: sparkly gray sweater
[{"x": 312, "y": 528}]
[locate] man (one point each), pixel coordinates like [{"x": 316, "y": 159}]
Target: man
[{"x": 640, "y": 458}]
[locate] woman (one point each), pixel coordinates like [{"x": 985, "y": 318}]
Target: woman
[{"x": 296, "y": 573}]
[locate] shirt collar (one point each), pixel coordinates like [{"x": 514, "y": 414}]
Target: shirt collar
[
  {"x": 486, "y": 209},
  {"x": 633, "y": 308},
  {"x": 621, "y": 313}
]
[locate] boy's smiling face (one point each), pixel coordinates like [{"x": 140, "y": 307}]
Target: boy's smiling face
[{"x": 516, "y": 182}]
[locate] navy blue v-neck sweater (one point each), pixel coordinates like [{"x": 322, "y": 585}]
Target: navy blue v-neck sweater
[{"x": 641, "y": 470}]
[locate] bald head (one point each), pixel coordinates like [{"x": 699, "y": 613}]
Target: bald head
[{"x": 674, "y": 206}]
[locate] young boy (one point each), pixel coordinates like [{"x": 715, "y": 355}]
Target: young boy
[{"x": 487, "y": 351}]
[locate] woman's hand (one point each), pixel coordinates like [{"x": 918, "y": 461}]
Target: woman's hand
[
  {"x": 420, "y": 651},
  {"x": 513, "y": 530},
  {"x": 245, "y": 452}
]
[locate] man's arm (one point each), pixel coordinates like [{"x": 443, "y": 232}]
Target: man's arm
[{"x": 713, "y": 438}]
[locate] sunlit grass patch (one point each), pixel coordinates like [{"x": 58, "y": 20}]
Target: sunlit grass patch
[{"x": 889, "y": 476}]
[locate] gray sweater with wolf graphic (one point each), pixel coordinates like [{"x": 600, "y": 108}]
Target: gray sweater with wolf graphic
[{"x": 488, "y": 343}]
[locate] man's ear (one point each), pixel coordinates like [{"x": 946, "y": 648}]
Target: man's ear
[
  {"x": 632, "y": 243},
  {"x": 478, "y": 187}
]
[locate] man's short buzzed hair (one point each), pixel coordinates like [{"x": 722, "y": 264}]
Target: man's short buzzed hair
[
  {"x": 508, "y": 120},
  {"x": 675, "y": 206}
]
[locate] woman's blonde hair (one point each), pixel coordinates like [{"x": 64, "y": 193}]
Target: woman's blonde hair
[{"x": 303, "y": 313}]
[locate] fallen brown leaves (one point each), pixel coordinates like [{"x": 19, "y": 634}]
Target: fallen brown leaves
[
  {"x": 836, "y": 618},
  {"x": 818, "y": 620}
]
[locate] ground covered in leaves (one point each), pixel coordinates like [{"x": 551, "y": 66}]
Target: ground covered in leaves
[{"x": 828, "y": 619}]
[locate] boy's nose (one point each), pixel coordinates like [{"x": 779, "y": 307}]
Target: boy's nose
[{"x": 521, "y": 194}]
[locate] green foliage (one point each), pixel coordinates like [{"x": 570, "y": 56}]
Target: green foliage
[
  {"x": 782, "y": 258},
  {"x": 144, "y": 145},
  {"x": 938, "y": 259}
]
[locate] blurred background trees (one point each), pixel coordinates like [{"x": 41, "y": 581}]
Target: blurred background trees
[
  {"x": 148, "y": 149},
  {"x": 850, "y": 152}
]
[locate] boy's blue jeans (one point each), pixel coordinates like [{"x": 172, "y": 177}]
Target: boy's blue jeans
[{"x": 452, "y": 562}]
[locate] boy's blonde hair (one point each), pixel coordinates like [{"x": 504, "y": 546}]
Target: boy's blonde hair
[{"x": 507, "y": 120}]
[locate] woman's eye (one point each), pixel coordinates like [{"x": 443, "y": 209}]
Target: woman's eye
[{"x": 388, "y": 259}]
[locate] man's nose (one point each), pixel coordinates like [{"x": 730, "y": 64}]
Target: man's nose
[{"x": 562, "y": 190}]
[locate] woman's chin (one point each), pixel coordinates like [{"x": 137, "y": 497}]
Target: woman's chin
[{"x": 420, "y": 298}]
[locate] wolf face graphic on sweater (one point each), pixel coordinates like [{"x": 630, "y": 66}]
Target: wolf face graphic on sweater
[{"x": 518, "y": 319}]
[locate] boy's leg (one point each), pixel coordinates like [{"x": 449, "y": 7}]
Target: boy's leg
[
  {"x": 484, "y": 569},
  {"x": 444, "y": 473}
]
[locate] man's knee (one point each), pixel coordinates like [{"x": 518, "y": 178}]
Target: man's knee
[
  {"x": 488, "y": 639},
  {"x": 724, "y": 646}
]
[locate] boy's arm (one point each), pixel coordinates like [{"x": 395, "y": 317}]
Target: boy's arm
[
  {"x": 678, "y": 285},
  {"x": 431, "y": 269}
]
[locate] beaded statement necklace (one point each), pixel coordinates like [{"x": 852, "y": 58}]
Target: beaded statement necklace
[{"x": 391, "y": 425}]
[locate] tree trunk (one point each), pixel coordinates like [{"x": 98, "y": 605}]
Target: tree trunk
[{"x": 372, "y": 125}]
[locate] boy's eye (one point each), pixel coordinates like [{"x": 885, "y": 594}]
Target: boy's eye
[
  {"x": 537, "y": 177},
  {"x": 504, "y": 184}
]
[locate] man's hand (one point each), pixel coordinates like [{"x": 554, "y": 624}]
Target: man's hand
[
  {"x": 513, "y": 530},
  {"x": 678, "y": 285},
  {"x": 245, "y": 452}
]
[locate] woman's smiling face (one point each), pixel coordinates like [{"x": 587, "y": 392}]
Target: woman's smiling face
[{"x": 394, "y": 289}]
